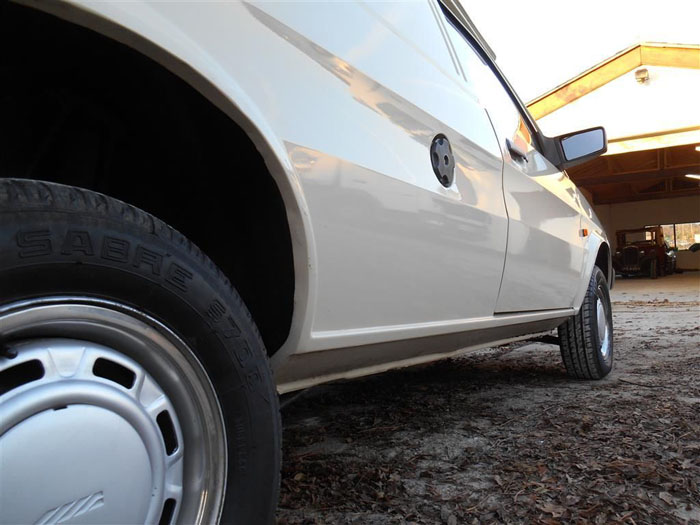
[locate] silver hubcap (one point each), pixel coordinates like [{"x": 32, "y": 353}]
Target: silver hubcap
[
  {"x": 603, "y": 328},
  {"x": 105, "y": 417}
]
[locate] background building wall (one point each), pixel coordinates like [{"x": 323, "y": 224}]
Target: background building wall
[{"x": 646, "y": 213}]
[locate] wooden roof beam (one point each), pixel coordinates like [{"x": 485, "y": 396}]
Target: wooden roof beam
[
  {"x": 651, "y": 54},
  {"x": 617, "y": 199},
  {"x": 670, "y": 55},
  {"x": 636, "y": 177}
]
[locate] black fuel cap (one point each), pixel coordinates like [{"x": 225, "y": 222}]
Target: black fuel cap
[{"x": 442, "y": 160}]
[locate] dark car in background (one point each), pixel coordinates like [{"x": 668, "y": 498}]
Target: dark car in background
[{"x": 643, "y": 251}]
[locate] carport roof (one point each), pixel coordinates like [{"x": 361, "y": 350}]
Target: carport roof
[
  {"x": 649, "y": 54},
  {"x": 640, "y": 175},
  {"x": 661, "y": 111},
  {"x": 653, "y": 126}
]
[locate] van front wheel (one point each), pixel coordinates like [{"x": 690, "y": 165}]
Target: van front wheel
[{"x": 586, "y": 339}]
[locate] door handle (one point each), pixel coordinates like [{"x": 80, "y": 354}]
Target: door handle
[{"x": 515, "y": 151}]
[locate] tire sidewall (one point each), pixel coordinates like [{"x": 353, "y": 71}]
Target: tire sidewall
[
  {"x": 137, "y": 261},
  {"x": 599, "y": 290}
]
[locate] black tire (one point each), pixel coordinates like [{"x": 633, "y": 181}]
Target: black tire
[
  {"x": 652, "y": 269},
  {"x": 58, "y": 240},
  {"x": 583, "y": 352}
]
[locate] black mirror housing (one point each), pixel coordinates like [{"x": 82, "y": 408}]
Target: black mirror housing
[{"x": 572, "y": 149}]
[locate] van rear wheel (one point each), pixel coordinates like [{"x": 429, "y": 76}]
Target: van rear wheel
[{"x": 134, "y": 386}]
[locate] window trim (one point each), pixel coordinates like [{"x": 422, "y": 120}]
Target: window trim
[
  {"x": 475, "y": 41},
  {"x": 549, "y": 147}
]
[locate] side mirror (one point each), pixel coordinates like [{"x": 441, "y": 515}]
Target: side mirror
[{"x": 576, "y": 148}]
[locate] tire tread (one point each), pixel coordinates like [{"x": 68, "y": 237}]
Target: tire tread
[
  {"x": 21, "y": 195},
  {"x": 576, "y": 339}
]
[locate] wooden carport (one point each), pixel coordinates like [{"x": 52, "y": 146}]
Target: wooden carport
[{"x": 642, "y": 167}]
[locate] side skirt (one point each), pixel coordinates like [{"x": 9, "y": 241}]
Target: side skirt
[{"x": 308, "y": 369}]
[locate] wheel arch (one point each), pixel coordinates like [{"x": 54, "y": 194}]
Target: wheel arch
[
  {"x": 597, "y": 253},
  {"x": 194, "y": 67},
  {"x": 603, "y": 261}
]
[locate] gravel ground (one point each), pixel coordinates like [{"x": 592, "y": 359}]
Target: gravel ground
[{"x": 502, "y": 435}]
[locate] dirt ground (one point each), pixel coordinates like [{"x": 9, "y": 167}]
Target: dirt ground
[{"x": 501, "y": 435}]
